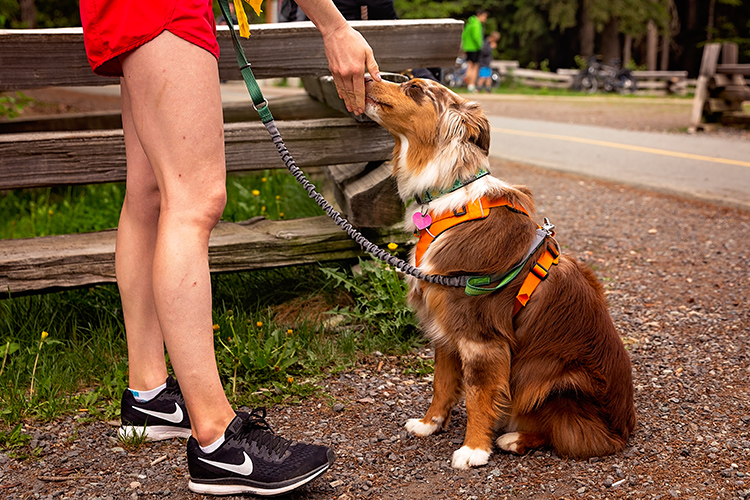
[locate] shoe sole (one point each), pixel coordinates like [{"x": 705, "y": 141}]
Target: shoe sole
[
  {"x": 153, "y": 432},
  {"x": 238, "y": 489}
]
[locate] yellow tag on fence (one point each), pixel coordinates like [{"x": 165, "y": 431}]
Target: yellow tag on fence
[{"x": 242, "y": 17}]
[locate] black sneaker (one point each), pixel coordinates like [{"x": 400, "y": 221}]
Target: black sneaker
[
  {"x": 164, "y": 417},
  {"x": 254, "y": 460}
]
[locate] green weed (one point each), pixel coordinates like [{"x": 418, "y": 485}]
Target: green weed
[
  {"x": 380, "y": 304},
  {"x": 12, "y": 105},
  {"x": 133, "y": 441}
]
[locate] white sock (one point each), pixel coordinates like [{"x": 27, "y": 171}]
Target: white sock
[
  {"x": 213, "y": 446},
  {"x": 146, "y": 396}
]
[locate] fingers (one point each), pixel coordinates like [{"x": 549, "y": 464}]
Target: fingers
[{"x": 349, "y": 56}]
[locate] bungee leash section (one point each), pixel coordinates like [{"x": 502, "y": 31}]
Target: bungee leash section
[{"x": 260, "y": 104}]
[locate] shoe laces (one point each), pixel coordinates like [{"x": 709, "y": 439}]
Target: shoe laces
[{"x": 257, "y": 429}]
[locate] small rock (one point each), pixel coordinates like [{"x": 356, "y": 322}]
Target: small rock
[
  {"x": 134, "y": 485},
  {"x": 338, "y": 407}
]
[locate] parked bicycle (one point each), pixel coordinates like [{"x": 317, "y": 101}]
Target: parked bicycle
[
  {"x": 453, "y": 77},
  {"x": 608, "y": 77}
]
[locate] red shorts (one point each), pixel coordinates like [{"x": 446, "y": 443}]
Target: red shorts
[{"x": 112, "y": 28}]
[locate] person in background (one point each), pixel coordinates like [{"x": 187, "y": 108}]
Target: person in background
[
  {"x": 165, "y": 55},
  {"x": 472, "y": 39},
  {"x": 484, "y": 79}
]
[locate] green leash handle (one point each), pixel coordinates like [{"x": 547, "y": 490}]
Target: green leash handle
[{"x": 260, "y": 103}]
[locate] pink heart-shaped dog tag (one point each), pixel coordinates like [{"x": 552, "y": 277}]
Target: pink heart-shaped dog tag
[{"x": 421, "y": 221}]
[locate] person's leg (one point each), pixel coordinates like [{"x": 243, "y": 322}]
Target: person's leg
[
  {"x": 173, "y": 98},
  {"x": 471, "y": 75},
  {"x": 134, "y": 255}
]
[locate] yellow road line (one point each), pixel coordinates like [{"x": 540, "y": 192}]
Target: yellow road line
[{"x": 617, "y": 145}]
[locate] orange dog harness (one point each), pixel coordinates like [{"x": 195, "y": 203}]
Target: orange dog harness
[{"x": 480, "y": 209}]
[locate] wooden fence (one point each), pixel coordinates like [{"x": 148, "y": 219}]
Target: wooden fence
[
  {"x": 649, "y": 82},
  {"x": 722, "y": 88}
]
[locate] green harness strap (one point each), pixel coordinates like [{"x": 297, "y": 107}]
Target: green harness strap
[{"x": 260, "y": 104}]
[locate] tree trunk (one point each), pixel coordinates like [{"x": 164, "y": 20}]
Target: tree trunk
[
  {"x": 664, "y": 62},
  {"x": 652, "y": 43},
  {"x": 588, "y": 32},
  {"x": 611, "y": 40},
  {"x": 710, "y": 24},
  {"x": 627, "y": 50},
  {"x": 28, "y": 13}
]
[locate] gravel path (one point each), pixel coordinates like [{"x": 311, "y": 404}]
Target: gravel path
[{"x": 677, "y": 280}]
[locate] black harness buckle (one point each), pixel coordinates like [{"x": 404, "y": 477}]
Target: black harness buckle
[
  {"x": 539, "y": 271},
  {"x": 459, "y": 214}
]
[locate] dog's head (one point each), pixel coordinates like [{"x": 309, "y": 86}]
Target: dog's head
[{"x": 440, "y": 136}]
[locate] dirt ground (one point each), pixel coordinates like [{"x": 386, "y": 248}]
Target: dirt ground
[{"x": 676, "y": 277}]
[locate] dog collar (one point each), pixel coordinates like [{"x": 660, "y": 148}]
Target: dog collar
[{"x": 429, "y": 196}]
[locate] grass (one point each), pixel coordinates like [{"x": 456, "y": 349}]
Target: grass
[{"x": 277, "y": 331}]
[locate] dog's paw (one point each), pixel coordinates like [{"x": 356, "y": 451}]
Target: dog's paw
[
  {"x": 417, "y": 427},
  {"x": 508, "y": 442},
  {"x": 466, "y": 457}
]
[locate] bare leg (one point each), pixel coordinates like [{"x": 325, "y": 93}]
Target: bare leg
[{"x": 173, "y": 123}]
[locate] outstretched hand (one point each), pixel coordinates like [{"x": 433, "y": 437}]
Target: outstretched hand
[{"x": 349, "y": 57}]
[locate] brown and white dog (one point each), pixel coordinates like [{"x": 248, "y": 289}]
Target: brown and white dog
[{"x": 554, "y": 374}]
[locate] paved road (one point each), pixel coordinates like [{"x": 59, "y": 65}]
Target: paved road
[{"x": 711, "y": 168}]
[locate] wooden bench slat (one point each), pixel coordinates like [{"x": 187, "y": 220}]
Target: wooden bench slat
[
  {"x": 88, "y": 157},
  {"x": 54, "y": 57},
  {"x": 734, "y": 69},
  {"x": 54, "y": 262},
  {"x": 296, "y": 107}
]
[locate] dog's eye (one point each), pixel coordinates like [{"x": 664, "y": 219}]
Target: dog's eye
[{"x": 414, "y": 89}]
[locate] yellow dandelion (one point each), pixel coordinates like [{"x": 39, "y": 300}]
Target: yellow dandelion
[
  {"x": 259, "y": 324},
  {"x": 263, "y": 179},
  {"x": 216, "y": 328},
  {"x": 281, "y": 215},
  {"x": 289, "y": 332},
  {"x": 278, "y": 197},
  {"x": 290, "y": 379},
  {"x": 256, "y": 192},
  {"x": 392, "y": 246},
  {"x": 45, "y": 335},
  {"x": 50, "y": 212}
]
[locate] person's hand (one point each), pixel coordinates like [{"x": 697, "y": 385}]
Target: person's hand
[{"x": 349, "y": 57}]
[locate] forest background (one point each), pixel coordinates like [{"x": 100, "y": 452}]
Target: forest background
[{"x": 544, "y": 34}]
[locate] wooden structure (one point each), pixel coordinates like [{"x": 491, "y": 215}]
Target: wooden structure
[
  {"x": 315, "y": 134},
  {"x": 722, "y": 87}
]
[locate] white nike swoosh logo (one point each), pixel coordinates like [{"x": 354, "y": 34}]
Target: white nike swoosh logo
[
  {"x": 174, "y": 417},
  {"x": 244, "y": 469}
]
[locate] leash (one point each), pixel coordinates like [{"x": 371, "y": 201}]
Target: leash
[{"x": 474, "y": 285}]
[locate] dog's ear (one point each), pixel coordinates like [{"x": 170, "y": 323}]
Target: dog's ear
[
  {"x": 467, "y": 121},
  {"x": 477, "y": 126}
]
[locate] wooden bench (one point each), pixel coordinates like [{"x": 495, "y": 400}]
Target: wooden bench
[
  {"x": 722, "y": 88},
  {"x": 316, "y": 135}
]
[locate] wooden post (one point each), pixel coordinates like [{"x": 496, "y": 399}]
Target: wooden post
[{"x": 708, "y": 70}]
